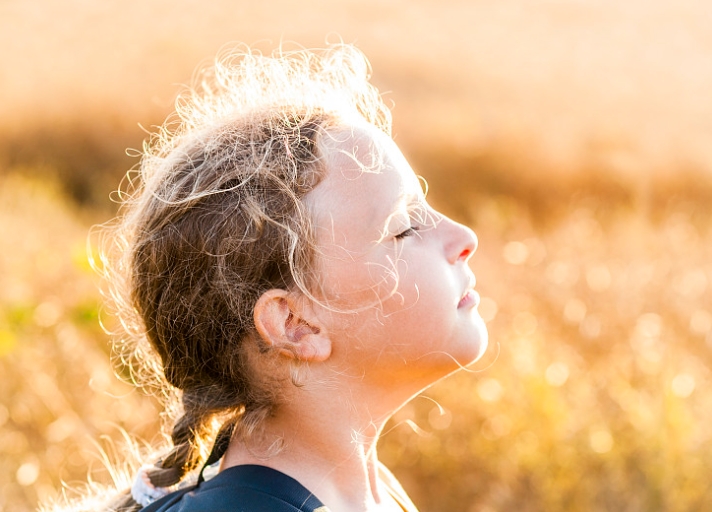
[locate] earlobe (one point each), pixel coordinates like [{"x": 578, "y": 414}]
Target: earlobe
[{"x": 285, "y": 325}]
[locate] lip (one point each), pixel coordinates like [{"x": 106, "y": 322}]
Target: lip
[{"x": 470, "y": 298}]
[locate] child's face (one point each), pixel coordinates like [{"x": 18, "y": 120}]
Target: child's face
[{"x": 394, "y": 269}]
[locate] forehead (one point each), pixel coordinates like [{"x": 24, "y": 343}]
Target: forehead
[{"x": 367, "y": 181}]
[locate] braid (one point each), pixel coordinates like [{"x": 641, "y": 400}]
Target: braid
[
  {"x": 193, "y": 427},
  {"x": 187, "y": 435},
  {"x": 125, "y": 503}
]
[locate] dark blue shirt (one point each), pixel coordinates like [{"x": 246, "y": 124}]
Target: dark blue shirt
[{"x": 246, "y": 488}]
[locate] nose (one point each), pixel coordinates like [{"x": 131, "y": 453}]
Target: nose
[{"x": 461, "y": 241}]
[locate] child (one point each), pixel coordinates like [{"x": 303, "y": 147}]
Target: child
[{"x": 279, "y": 269}]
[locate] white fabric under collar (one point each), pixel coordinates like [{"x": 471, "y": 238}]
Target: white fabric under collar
[{"x": 143, "y": 491}]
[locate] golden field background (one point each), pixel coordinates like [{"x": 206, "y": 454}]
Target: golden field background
[{"x": 572, "y": 135}]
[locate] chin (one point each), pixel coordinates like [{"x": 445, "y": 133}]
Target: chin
[
  {"x": 478, "y": 343},
  {"x": 483, "y": 343}
]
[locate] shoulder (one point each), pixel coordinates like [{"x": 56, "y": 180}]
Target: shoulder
[
  {"x": 395, "y": 488},
  {"x": 241, "y": 489}
]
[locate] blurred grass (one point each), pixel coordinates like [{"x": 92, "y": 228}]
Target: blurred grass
[
  {"x": 58, "y": 391},
  {"x": 574, "y": 138},
  {"x": 593, "y": 395}
]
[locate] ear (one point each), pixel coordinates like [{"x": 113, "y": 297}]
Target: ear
[{"x": 285, "y": 323}]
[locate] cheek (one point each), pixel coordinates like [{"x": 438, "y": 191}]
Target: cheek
[
  {"x": 350, "y": 283},
  {"x": 421, "y": 283}
]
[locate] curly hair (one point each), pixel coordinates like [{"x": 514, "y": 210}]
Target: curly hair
[{"x": 213, "y": 218}]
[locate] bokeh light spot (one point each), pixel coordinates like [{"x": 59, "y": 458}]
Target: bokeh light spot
[
  {"x": 496, "y": 427},
  {"x": 601, "y": 440},
  {"x": 439, "y": 418},
  {"x": 562, "y": 274},
  {"x": 691, "y": 284},
  {"x": 61, "y": 429},
  {"x": 490, "y": 390},
  {"x": 683, "y": 385},
  {"x": 488, "y": 309},
  {"x": 524, "y": 323},
  {"x": 701, "y": 322},
  {"x": 515, "y": 253},
  {"x": 649, "y": 326},
  {"x": 27, "y": 473},
  {"x": 47, "y": 314},
  {"x": 536, "y": 251},
  {"x": 557, "y": 374}
]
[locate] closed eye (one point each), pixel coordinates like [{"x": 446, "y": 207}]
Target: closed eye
[{"x": 408, "y": 232}]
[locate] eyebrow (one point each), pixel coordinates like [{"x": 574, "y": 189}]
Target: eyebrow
[
  {"x": 414, "y": 200},
  {"x": 410, "y": 199},
  {"x": 404, "y": 200}
]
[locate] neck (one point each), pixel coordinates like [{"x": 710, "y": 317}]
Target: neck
[{"x": 326, "y": 437}]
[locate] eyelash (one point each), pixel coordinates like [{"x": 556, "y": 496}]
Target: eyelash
[{"x": 408, "y": 232}]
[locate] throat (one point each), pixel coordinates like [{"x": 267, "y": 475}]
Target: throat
[{"x": 339, "y": 466}]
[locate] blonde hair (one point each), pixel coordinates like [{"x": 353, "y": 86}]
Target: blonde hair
[{"x": 212, "y": 220}]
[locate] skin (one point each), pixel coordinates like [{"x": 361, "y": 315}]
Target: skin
[{"x": 395, "y": 312}]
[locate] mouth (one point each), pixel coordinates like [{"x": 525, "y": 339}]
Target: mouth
[{"x": 470, "y": 298}]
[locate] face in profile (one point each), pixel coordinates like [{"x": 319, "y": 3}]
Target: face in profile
[{"x": 395, "y": 287}]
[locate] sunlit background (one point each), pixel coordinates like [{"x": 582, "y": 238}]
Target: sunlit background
[{"x": 575, "y": 137}]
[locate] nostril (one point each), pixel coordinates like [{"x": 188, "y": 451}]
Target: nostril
[
  {"x": 470, "y": 245},
  {"x": 462, "y": 243}
]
